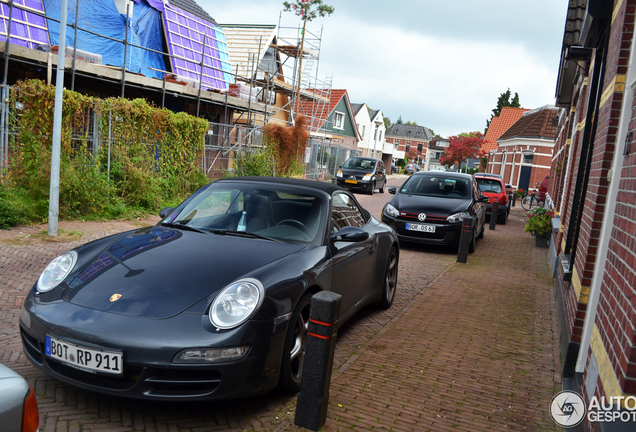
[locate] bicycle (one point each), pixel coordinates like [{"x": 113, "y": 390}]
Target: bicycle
[{"x": 530, "y": 201}]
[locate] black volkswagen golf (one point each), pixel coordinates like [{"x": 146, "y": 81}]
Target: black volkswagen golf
[{"x": 429, "y": 208}]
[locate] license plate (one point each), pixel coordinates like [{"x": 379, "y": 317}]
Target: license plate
[
  {"x": 420, "y": 227},
  {"x": 86, "y": 359},
  {"x": 351, "y": 181}
]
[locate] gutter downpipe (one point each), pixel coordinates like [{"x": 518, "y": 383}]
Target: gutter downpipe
[
  {"x": 586, "y": 158},
  {"x": 608, "y": 216}
]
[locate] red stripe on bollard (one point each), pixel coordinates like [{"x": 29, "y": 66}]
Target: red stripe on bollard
[
  {"x": 321, "y": 323},
  {"x": 319, "y": 336}
]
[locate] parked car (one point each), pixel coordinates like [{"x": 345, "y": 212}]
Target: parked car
[
  {"x": 362, "y": 174},
  {"x": 213, "y": 301},
  {"x": 543, "y": 188},
  {"x": 495, "y": 189},
  {"x": 18, "y": 405},
  {"x": 410, "y": 169},
  {"x": 429, "y": 208},
  {"x": 394, "y": 169}
]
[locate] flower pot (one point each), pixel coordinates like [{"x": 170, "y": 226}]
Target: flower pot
[{"x": 542, "y": 240}]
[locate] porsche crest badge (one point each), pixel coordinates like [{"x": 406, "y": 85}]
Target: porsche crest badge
[{"x": 115, "y": 297}]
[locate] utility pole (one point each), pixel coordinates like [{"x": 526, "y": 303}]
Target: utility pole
[{"x": 54, "y": 191}]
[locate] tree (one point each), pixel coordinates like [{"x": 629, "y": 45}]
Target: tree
[
  {"x": 387, "y": 122},
  {"x": 308, "y": 10},
  {"x": 462, "y": 147},
  {"x": 410, "y": 123},
  {"x": 399, "y": 120},
  {"x": 433, "y": 134},
  {"x": 503, "y": 101}
]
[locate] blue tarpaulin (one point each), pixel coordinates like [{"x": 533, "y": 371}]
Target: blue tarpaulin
[{"x": 101, "y": 16}]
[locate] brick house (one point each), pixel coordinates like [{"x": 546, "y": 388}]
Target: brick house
[
  {"x": 409, "y": 138},
  {"x": 523, "y": 153},
  {"x": 498, "y": 125},
  {"x": 593, "y": 188}
]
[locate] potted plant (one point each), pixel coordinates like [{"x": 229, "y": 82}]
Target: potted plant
[{"x": 540, "y": 225}]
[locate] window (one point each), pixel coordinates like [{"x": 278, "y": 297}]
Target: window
[
  {"x": 338, "y": 120},
  {"x": 363, "y": 129},
  {"x": 408, "y": 146},
  {"x": 528, "y": 157},
  {"x": 345, "y": 212},
  {"x": 419, "y": 147}
]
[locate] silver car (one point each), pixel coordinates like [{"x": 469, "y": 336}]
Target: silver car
[{"x": 18, "y": 406}]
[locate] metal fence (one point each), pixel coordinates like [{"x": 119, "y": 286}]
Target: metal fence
[{"x": 222, "y": 145}]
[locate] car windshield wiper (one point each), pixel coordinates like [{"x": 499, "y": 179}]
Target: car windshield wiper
[
  {"x": 184, "y": 227},
  {"x": 244, "y": 234}
]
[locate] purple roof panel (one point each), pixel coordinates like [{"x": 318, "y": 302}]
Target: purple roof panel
[
  {"x": 186, "y": 33},
  {"x": 27, "y": 29}
]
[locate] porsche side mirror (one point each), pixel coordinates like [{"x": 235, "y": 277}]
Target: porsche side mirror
[
  {"x": 350, "y": 234},
  {"x": 392, "y": 190},
  {"x": 164, "y": 212},
  {"x": 483, "y": 198}
]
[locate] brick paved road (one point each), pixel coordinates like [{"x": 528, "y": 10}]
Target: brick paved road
[{"x": 465, "y": 347}]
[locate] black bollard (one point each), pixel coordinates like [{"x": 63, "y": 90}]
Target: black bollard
[
  {"x": 313, "y": 399},
  {"x": 467, "y": 232},
  {"x": 493, "y": 215},
  {"x": 514, "y": 199}
]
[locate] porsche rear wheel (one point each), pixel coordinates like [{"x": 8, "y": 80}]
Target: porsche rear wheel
[
  {"x": 390, "y": 280},
  {"x": 294, "y": 349}
]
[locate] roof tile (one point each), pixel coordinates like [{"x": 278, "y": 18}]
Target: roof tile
[{"x": 499, "y": 125}]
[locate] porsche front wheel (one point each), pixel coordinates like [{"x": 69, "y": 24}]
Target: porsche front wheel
[{"x": 294, "y": 349}]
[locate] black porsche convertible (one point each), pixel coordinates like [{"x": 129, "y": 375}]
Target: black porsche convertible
[{"x": 213, "y": 301}]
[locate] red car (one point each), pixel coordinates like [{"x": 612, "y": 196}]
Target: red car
[
  {"x": 494, "y": 188},
  {"x": 543, "y": 188}
]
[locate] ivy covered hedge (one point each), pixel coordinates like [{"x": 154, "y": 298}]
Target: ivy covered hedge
[{"x": 155, "y": 156}]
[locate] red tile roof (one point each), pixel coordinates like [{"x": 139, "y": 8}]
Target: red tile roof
[
  {"x": 321, "y": 110},
  {"x": 499, "y": 125},
  {"x": 537, "y": 124}
]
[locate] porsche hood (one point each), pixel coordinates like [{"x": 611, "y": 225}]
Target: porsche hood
[{"x": 157, "y": 272}]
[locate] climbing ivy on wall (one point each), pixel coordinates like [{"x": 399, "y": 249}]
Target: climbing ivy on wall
[{"x": 154, "y": 157}]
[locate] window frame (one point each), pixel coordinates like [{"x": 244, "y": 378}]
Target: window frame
[{"x": 338, "y": 116}]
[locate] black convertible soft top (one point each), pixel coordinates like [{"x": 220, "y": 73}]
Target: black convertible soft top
[{"x": 329, "y": 188}]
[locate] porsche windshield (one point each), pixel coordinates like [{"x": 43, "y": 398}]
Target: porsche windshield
[
  {"x": 437, "y": 186},
  {"x": 272, "y": 211}
]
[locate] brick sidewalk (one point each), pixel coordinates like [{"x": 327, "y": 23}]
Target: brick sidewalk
[{"x": 476, "y": 351}]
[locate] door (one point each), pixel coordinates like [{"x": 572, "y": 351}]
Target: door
[
  {"x": 524, "y": 177},
  {"x": 352, "y": 262}
]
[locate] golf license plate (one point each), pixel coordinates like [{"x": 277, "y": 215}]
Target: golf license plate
[
  {"x": 86, "y": 359},
  {"x": 351, "y": 181},
  {"x": 420, "y": 227}
]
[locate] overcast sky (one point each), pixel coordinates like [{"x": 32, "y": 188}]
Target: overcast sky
[{"x": 440, "y": 63}]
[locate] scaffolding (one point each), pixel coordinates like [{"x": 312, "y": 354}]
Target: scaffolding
[{"x": 265, "y": 79}]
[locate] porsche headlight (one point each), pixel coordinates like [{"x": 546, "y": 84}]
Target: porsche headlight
[
  {"x": 339, "y": 174},
  {"x": 367, "y": 177},
  {"x": 457, "y": 217},
  {"x": 56, "y": 271},
  {"x": 236, "y": 303},
  {"x": 389, "y": 210}
]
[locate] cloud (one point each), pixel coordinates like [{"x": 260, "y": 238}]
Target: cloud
[{"x": 442, "y": 64}]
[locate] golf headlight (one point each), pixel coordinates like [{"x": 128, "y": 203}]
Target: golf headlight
[
  {"x": 457, "y": 217},
  {"x": 236, "y": 303},
  {"x": 56, "y": 271},
  {"x": 389, "y": 210},
  {"x": 367, "y": 177},
  {"x": 339, "y": 174}
]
